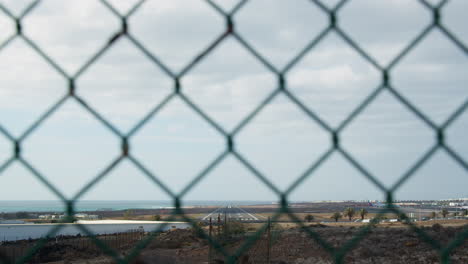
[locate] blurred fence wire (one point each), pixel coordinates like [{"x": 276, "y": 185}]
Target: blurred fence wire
[{"x": 230, "y": 31}]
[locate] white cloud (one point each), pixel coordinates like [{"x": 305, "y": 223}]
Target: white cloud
[
  {"x": 63, "y": 30},
  {"x": 227, "y": 84},
  {"x": 338, "y": 76}
]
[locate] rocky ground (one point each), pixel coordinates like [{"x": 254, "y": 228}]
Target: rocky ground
[{"x": 381, "y": 245}]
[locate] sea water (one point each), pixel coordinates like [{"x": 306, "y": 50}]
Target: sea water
[{"x": 88, "y": 205}]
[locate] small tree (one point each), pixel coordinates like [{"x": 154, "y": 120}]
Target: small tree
[
  {"x": 433, "y": 215},
  {"x": 444, "y": 212},
  {"x": 465, "y": 211},
  {"x": 349, "y": 212},
  {"x": 402, "y": 217},
  {"x": 363, "y": 212},
  {"x": 156, "y": 217},
  {"x": 309, "y": 218},
  {"x": 336, "y": 216}
]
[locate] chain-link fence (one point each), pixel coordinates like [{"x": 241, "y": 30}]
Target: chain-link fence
[{"x": 231, "y": 32}]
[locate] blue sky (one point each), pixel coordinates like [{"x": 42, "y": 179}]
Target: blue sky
[{"x": 71, "y": 147}]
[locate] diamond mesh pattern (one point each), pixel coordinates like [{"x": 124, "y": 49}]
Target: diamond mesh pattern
[{"x": 230, "y": 142}]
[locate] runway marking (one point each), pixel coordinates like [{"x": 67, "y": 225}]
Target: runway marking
[
  {"x": 204, "y": 218},
  {"x": 255, "y": 218},
  {"x": 240, "y": 214}
]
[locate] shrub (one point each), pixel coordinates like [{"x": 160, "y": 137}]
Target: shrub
[
  {"x": 197, "y": 229},
  {"x": 309, "y": 218},
  {"x": 156, "y": 218},
  {"x": 234, "y": 228}
]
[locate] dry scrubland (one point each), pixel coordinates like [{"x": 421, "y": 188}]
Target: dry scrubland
[
  {"x": 386, "y": 243},
  {"x": 318, "y": 217}
]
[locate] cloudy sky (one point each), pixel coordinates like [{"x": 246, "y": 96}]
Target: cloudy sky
[{"x": 123, "y": 85}]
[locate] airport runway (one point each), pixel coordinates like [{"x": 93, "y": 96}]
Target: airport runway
[{"x": 232, "y": 212}]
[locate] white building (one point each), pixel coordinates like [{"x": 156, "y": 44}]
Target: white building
[
  {"x": 44, "y": 217},
  {"x": 82, "y": 216}
]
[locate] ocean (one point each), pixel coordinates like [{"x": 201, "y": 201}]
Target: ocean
[{"x": 88, "y": 205}]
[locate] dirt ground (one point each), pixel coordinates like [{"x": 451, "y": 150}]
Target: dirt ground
[{"x": 384, "y": 244}]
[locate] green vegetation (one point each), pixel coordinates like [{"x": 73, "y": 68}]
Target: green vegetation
[
  {"x": 444, "y": 213},
  {"x": 309, "y": 218},
  {"x": 363, "y": 212},
  {"x": 22, "y": 215},
  {"x": 234, "y": 228},
  {"x": 128, "y": 214},
  {"x": 336, "y": 216},
  {"x": 349, "y": 212},
  {"x": 197, "y": 229},
  {"x": 402, "y": 217},
  {"x": 156, "y": 217}
]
